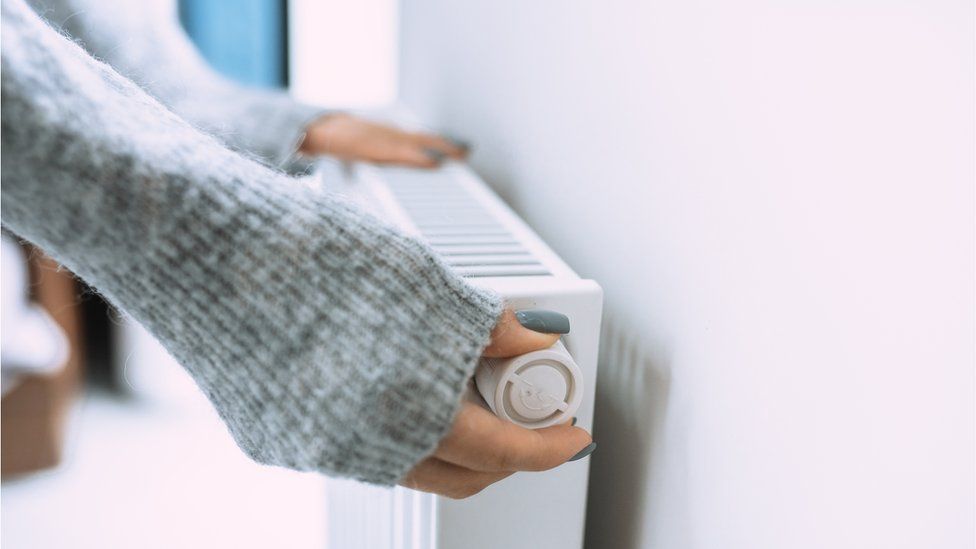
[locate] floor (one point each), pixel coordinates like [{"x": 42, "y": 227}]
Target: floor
[{"x": 157, "y": 469}]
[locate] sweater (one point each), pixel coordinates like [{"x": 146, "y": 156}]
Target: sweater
[
  {"x": 325, "y": 339},
  {"x": 144, "y": 42}
]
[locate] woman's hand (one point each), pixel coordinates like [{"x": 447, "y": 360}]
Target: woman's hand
[
  {"x": 481, "y": 448},
  {"x": 350, "y": 138}
]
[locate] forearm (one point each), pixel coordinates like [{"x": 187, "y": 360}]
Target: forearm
[
  {"x": 144, "y": 42},
  {"x": 326, "y": 340}
]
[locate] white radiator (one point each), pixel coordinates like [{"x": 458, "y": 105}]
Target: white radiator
[{"x": 487, "y": 243}]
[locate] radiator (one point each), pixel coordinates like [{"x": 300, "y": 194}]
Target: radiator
[{"x": 486, "y": 242}]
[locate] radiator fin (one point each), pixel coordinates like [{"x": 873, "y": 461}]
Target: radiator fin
[{"x": 459, "y": 228}]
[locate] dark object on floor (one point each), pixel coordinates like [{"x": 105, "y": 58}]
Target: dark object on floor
[{"x": 33, "y": 415}]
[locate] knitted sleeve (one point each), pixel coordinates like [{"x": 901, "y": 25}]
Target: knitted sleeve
[
  {"x": 325, "y": 339},
  {"x": 144, "y": 42}
]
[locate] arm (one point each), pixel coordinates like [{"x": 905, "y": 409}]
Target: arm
[
  {"x": 326, "y": 340},
  {"x": 144, "y": 41}
]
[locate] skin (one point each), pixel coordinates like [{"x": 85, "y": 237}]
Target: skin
[
  {"x": 352, "y": 138},
  {"x": 481, "y": 449}
]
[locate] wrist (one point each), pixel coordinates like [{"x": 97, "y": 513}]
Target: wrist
[{"x": 320, "y": 134}]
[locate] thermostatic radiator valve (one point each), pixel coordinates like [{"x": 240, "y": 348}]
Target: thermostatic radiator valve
[{"x": 535, "y": 390}]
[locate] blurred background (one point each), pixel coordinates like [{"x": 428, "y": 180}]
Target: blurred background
[{"x": 777, "y": 198}]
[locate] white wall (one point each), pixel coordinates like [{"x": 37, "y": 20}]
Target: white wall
[
  {"x": 778, "y": 200},
  {"x": 343, "y": 53}
]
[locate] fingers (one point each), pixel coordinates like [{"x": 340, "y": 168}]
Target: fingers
[
  {"x": 352, "y": 138},
  {"x": 481, "y": 441},
  {"x": 511, "y": 338},
  {"x": 481, "y": 448},
  {"x": 446, "y": 479},
  {"x": 423, "y": 150},
  {"x": 450, "y": 147},
  {"x": 408, "y": 153}
]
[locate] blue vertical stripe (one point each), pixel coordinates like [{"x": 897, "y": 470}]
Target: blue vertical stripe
[{"x": 243, "y": 39}]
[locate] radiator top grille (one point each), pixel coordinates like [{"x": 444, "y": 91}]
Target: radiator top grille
[{"x": 459, "y": 227}]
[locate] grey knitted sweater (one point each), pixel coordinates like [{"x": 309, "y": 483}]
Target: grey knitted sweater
[
  {"x": 325, "y": 339},
  {"x": 144, "y": 42}
]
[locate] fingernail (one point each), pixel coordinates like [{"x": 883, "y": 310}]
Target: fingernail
[
  {"x": 573, "y": 423},
  {"x": 435, "y": 154},
  {"x": 542, "y": 320},
  {"x": 459, "y": 143},
  {"x": 584, "y": 452}
]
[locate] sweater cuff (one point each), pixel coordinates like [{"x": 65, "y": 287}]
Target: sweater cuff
[
  {"x": 385, "y": 338},
  {"x": 418, "y": 408},
  {"x": 295, "y": 122}
]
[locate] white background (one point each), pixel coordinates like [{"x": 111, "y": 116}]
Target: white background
[
  {"x": 778, "y": 200},
  {"x": 343, "y": 53},
  {"x": 155, "y": 468}
]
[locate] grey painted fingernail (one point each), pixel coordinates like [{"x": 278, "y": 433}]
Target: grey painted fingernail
[
  {"x": 584, "y": 452},
  {"x": 573, "y": 422},
  {"x": 459, "y": 143},
  {"x": 435, "y": 154},
  {"x": 543, "y": 320}
]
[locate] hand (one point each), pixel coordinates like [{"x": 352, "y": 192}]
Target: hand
[
  {"x": 350, "y": 138},
  {"x": 482, "y": 449}
]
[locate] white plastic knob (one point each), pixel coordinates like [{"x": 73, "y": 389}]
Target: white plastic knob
[{"x": 535, "y": 390}]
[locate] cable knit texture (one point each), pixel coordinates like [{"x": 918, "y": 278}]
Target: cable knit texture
[{"x": 325, "y": 339}]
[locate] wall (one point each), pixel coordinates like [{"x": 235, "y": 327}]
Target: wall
[
  {"x": 343, "y": 53},
  {"x": 778, "y": 200}
]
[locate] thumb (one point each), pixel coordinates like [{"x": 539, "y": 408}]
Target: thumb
[{"x": 526, "y": 330}]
